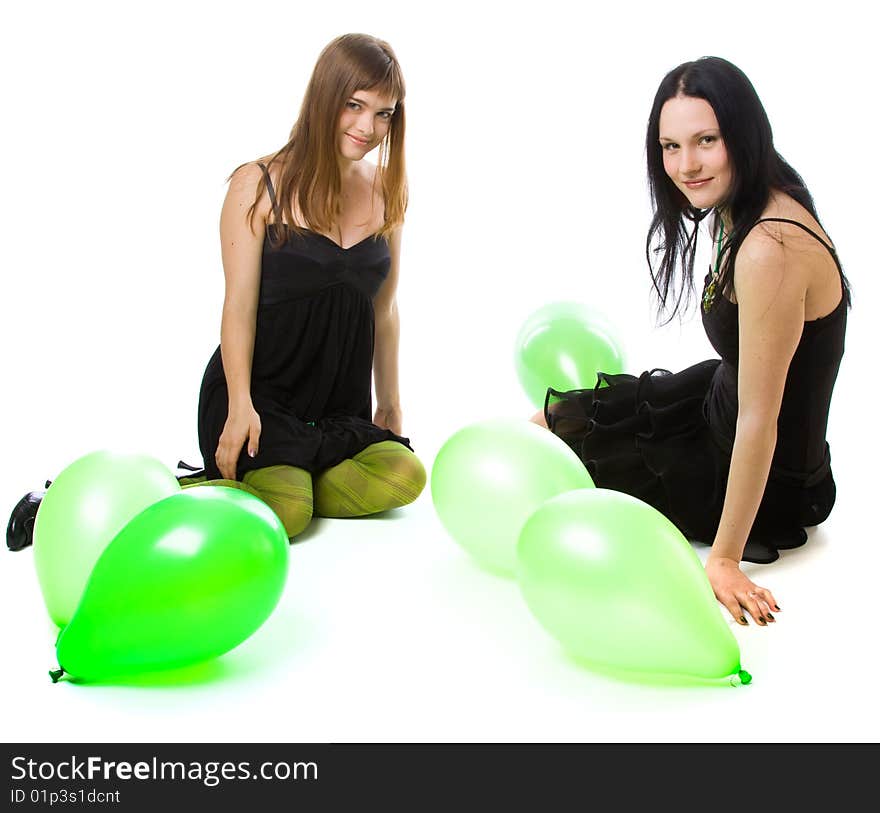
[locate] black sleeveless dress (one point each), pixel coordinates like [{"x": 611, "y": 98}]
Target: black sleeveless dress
[
  {"x": 667, "y": 438},
  {"x": 311, "y": 375}
]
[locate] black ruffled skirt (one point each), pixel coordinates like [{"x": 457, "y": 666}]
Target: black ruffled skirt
[{"x": 649, "y": 436}]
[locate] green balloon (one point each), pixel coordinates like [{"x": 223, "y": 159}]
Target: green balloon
[
  {"x": 490, "y": 476},
  {"x": 86, "y": 505},
  {"x": 186, "y": 580},
  {"x": 564, "y": 345},
  {"x": 616, "y": 583}
]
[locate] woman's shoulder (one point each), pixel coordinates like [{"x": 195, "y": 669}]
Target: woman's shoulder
[
  {"x": 242, "y": 199},
  {"x": 777, "y": 254},
  {"x": 784, "y": 224},
  {"x": 776, "y": 235},
  {"x": 252, "y": 172},
  {"x": 245, "y": 178},
  {"x": 249, "y": 178}
]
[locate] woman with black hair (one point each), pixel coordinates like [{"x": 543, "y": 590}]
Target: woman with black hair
[{"x": 733, "y": 451}]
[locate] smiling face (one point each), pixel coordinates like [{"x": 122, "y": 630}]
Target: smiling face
[
  {"x": 694, "y": 155},
  {"x": 363, "y": 123}
]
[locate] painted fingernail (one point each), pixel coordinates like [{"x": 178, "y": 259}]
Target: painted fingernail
[
  {"x": 770, "y": 616},
  {"x": 742, "y": 620},
  {"x": 761, "y": 619},
  {"x": 252, "y": 453},
  {"x": 778, "y": 608}
]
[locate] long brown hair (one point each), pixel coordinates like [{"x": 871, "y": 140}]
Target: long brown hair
[{"x": 309, "y": 164}]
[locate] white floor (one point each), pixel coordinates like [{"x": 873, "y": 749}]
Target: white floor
[
  {"x": 386, "y": 631},
  {"x": 523, "y": 192}
]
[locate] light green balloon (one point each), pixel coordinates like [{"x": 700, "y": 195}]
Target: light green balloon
[
  {"x": 564, "y": 345},
  {"x": 86, "y": 505},
  {"x": 616, "y": 583},
  {"x": 188, "y": 579},
  {"x": 490, "y": 476}
]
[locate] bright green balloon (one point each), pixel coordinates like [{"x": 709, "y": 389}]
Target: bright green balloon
[
  {"x": 564, "y": 345},
  {"x": 490, "y": 476},
  {"x": 618, "y": 585},
  {"x": 86, "y": 505},
  {"x": 187, "y": 579}
]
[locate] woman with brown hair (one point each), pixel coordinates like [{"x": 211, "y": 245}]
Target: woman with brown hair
[{"x": 310, "y": 239}]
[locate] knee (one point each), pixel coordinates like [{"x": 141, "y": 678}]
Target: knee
[
  {"x": 396, "y": 465},
  {"x": 287, "y": 491},
  {"x": 295, "y": 517},
  {"x": 383, "y": 476},
  {"x": 411, "y": 470}
]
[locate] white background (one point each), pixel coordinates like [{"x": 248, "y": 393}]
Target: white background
[{"x": 526, "y": 163}]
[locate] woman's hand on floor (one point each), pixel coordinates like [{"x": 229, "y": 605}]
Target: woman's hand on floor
[
  {"x": 242, "y": 425},
  {"x": 738, "y": 593}
]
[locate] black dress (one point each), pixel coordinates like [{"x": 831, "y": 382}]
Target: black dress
[
  {"x": 667, "y": 438},
  {"x": 311, "y": 375}
]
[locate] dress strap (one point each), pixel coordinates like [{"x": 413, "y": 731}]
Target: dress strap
[
  {"x": 271, "y": 190},
  {"x": 807, "y": 229}
]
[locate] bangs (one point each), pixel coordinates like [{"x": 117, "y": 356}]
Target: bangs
[
  {"x": 385, "y": 78},
  {"x": 392, "y": 84}
]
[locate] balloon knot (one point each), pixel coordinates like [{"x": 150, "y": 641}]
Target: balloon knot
[
  {"x": 745, "y": 677},
  {"x": 56, "y": 674}
]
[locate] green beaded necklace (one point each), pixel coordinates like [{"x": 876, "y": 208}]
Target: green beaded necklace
[{"x": 709, "y": 292}]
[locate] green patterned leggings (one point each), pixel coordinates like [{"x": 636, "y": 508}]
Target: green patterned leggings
[{"x": 383, "y": 476}]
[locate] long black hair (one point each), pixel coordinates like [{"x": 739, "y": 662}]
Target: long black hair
[{"x": 757, "y": 170}]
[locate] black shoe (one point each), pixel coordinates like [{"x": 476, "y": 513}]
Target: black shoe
[
  {"x": 763, "y": 548},
  {"x": 760, "y": 551},
  {"x": 791, "y": 539},
  {"x": 20, "y": 530}
]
